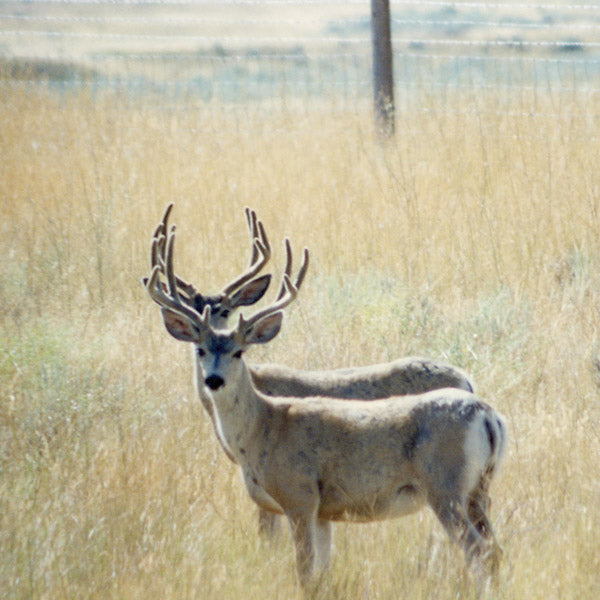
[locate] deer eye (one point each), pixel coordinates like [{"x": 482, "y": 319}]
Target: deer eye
[
  {"x": 201, "y": 351},
  {"x": 238, "y": 354},
  {"x": 225, "y": 313}
]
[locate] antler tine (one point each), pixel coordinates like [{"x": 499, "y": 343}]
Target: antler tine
[
  {"x": 169, "y": 299},
  {"x": 262, "y": 236},
  {"x": 288, "y": 268},
  {"x": 154, "y": 255},
  {"x": 157, "y": 257},
  {"x": 171, "y": 280},
  {"x": 156, "y": 249},
  {"x": 253, "y": 228},
  {"x": 165, "y": 219},
  {"x": 161, "y": 228},
  {"x": 303, "y": 268},
  {"x": 261, "y": 253},
  {"x": 290, "y": 293},
  {"x": 162, "y": 299},
  {"x": 175, "y": 283},
  {"x": 257, "y": 231},
  {"x": 160, "y": 234}
]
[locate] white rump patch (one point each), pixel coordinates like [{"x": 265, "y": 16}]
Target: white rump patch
[{"x": 477, "y": 451}]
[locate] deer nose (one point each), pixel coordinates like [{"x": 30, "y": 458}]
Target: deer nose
[{"x": 214, "y": 382}]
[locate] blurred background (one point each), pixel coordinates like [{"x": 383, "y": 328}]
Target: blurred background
[{"x": 471, "y": 236}]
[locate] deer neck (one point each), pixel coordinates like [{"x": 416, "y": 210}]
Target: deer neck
[{"x": 237, "y": 410}]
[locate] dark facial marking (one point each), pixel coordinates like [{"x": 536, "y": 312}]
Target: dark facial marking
[
  {"x": 221, "y": 344},
  {"x": 200, "y": 302}
]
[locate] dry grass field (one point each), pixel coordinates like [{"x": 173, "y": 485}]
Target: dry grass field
[{"x": 472, "y": 238}]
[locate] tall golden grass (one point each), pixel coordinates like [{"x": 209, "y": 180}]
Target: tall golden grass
[{"x": 471, "y": 237}]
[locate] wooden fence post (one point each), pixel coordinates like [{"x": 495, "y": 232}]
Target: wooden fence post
[{"x": 383, "y": 77}]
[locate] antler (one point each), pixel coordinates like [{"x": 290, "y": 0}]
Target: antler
[
  {"x": 288, "y": 268},
  {"x": 169, "y": 297},
  {"x": 261, "y": 252},
  {"x": 287, "y": 292},
  {"x": 158, "y": 254},
  {"x": 290, "y": 291}
]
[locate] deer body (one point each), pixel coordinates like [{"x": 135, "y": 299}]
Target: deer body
[
  {"x": 312, "y": 446},
  {"x": 410, "y": 375},
  {"x": 404, "y": 376},
  {"x": 318, "y": 460}
]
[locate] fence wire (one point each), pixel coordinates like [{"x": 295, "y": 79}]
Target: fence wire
[{"x": 539, "y": 58}]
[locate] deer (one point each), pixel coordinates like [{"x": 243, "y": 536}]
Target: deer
[
  {"x": 318, "y": 460},
  {"x": 410, "y": 375}
]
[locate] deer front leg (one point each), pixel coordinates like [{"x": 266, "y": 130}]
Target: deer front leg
[
  {"x": 304, "y": 534},
  {"x": 323, "y": 531},
  {"x": 268, "y": 524}
]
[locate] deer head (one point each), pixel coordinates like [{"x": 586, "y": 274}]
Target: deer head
[{"x": 217, "y": 350}]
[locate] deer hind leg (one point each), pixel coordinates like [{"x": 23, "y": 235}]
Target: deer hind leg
[
  {"x": 453, "y": 515},
  {"x": 478, "y": 504}
]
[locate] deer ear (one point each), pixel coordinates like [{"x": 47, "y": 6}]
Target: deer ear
[
  {"x": 251, "y": 292},
  {"x": 265, "y": 330},
  {"x": 180, "y": 327}
]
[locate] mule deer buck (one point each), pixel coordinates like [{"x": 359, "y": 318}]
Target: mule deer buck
[
  {"x": 411, "y": 375},
  {"x": 318, "y": 460}
]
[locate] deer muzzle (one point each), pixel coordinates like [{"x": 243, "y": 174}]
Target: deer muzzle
[{"x": 214, "y": 382}]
